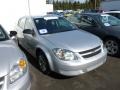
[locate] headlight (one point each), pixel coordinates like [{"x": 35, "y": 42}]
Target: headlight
[
  {"x": 63, "y": 54},
  {"x": 18, "y": 70}
]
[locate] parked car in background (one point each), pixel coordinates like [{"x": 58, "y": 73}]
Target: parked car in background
[
  {"x": 105, "y": 26},
  {"x": 67, "y": 14},
  {"x": 92, "y": 11},
  {"x": 14, "y": 70},
  {"x": 75, "y": 18},
  {"x": 57, "y": 13},
  {"x": 114, "y": 13},
  {"x": 59, "y": 46}
]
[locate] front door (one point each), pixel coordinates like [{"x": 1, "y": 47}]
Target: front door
[
  {"x": 88, "y": 24},
  {"x": 29, "y": 38}
]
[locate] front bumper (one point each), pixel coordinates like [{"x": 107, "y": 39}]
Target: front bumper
[
  {"x": 81, "y": 66},
  {"x": 24, "y": 83}
]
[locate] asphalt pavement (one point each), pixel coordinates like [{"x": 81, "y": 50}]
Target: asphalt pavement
[{"x": 106, "y": 77}]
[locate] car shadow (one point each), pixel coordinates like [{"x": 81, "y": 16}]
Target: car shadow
[
  {"x": 117, "y": 56},
  {"x": 34, "y": 63}
]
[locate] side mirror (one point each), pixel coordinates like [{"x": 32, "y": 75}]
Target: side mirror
[
  {"x": 13, "y": 33},
  {"x": 28, "y": 31}
]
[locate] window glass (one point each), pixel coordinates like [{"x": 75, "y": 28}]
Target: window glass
[
  {"x": 114, "y": 14},
  {"x": 87, "y": 21},
  {"x": 21, "y": 22},
  {"x": 108, "y": 20},
  {"x": 28, "y": 24},
  {"x": 119, "y": 15},
  {"x": 48, "y": 26},
  {"x": 3, "y": 35},
  {"x": 73, "y": 19}
]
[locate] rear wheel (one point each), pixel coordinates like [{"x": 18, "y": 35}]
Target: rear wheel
[
  {"x": 43, "y": 63},
  {"x": 112, "y": 46}
]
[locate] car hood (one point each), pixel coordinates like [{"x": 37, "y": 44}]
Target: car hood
[
  {"x": 76, "y": 41},
  {"x": 9, "y": 54}
]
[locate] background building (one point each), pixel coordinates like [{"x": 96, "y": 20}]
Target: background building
[
  {"x": 107, "y": 5},
  {"x": 51, "y": 1},
  {"x": 12, "y": 10}
]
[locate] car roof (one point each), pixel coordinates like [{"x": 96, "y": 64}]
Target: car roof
[
  {"x": 50, "y": 16},
  {"x": 112, "y": 12},
  {"x": 45, "y": 16},
  {"x": 93, "y": 14}
]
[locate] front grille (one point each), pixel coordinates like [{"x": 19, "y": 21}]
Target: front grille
[
  {"x": 1, "y": 82},
  {"x": 91, "y": 52}
]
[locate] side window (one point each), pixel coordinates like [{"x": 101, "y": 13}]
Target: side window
[
  {"x": 119, "y": 15},
  {"x": 87, "y": 21},
  {"x": 21, "y": 23},
  {"x": 114, "y": 14},
  {"x": 110, "y": 14},
  {"x": 28, "y": 24}
]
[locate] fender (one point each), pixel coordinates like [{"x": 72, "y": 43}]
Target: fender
[{"x": 46, "y": 52}]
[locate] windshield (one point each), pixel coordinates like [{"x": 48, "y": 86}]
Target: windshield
[
  {"x": 3, "y": 35},
  {"x": 109, "y": 20},
  {"x": 54, "y": 25}
]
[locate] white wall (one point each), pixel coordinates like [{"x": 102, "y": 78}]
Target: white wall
[{"x": 12, "y": 10}]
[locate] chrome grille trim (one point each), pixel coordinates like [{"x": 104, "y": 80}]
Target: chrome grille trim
[
  {"x": 83, "y": 52},
  {"x": 91, "y": 52}
]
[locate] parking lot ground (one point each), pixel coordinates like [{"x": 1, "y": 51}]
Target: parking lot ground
[{"x": 106, "y": 77}]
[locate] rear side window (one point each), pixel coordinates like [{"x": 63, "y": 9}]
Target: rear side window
[
  {"x": 114, "y": 14},
  {"x": 21, "y": 23},
  {"x": 119, "y": 15},
  {"x": 28, "y": 24},
  {"x": 87, "y": 21}
]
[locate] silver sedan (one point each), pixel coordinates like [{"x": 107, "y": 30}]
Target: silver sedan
[
  {"x": 14, "y": 70},
  {"x": 60, "y": 46}
]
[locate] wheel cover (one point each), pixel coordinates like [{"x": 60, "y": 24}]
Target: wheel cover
[
  {"x": 112, "y": 47},
  {"x": 42, "y": 64}
]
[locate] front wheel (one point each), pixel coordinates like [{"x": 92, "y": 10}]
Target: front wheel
[
  {"x": 43, "y": 64},
  {"x": 112, "y": 46}
]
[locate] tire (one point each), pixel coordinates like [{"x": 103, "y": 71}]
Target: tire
[
  {"x": 43, "y": 63},
  {"x": 112, "y": 46}
]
